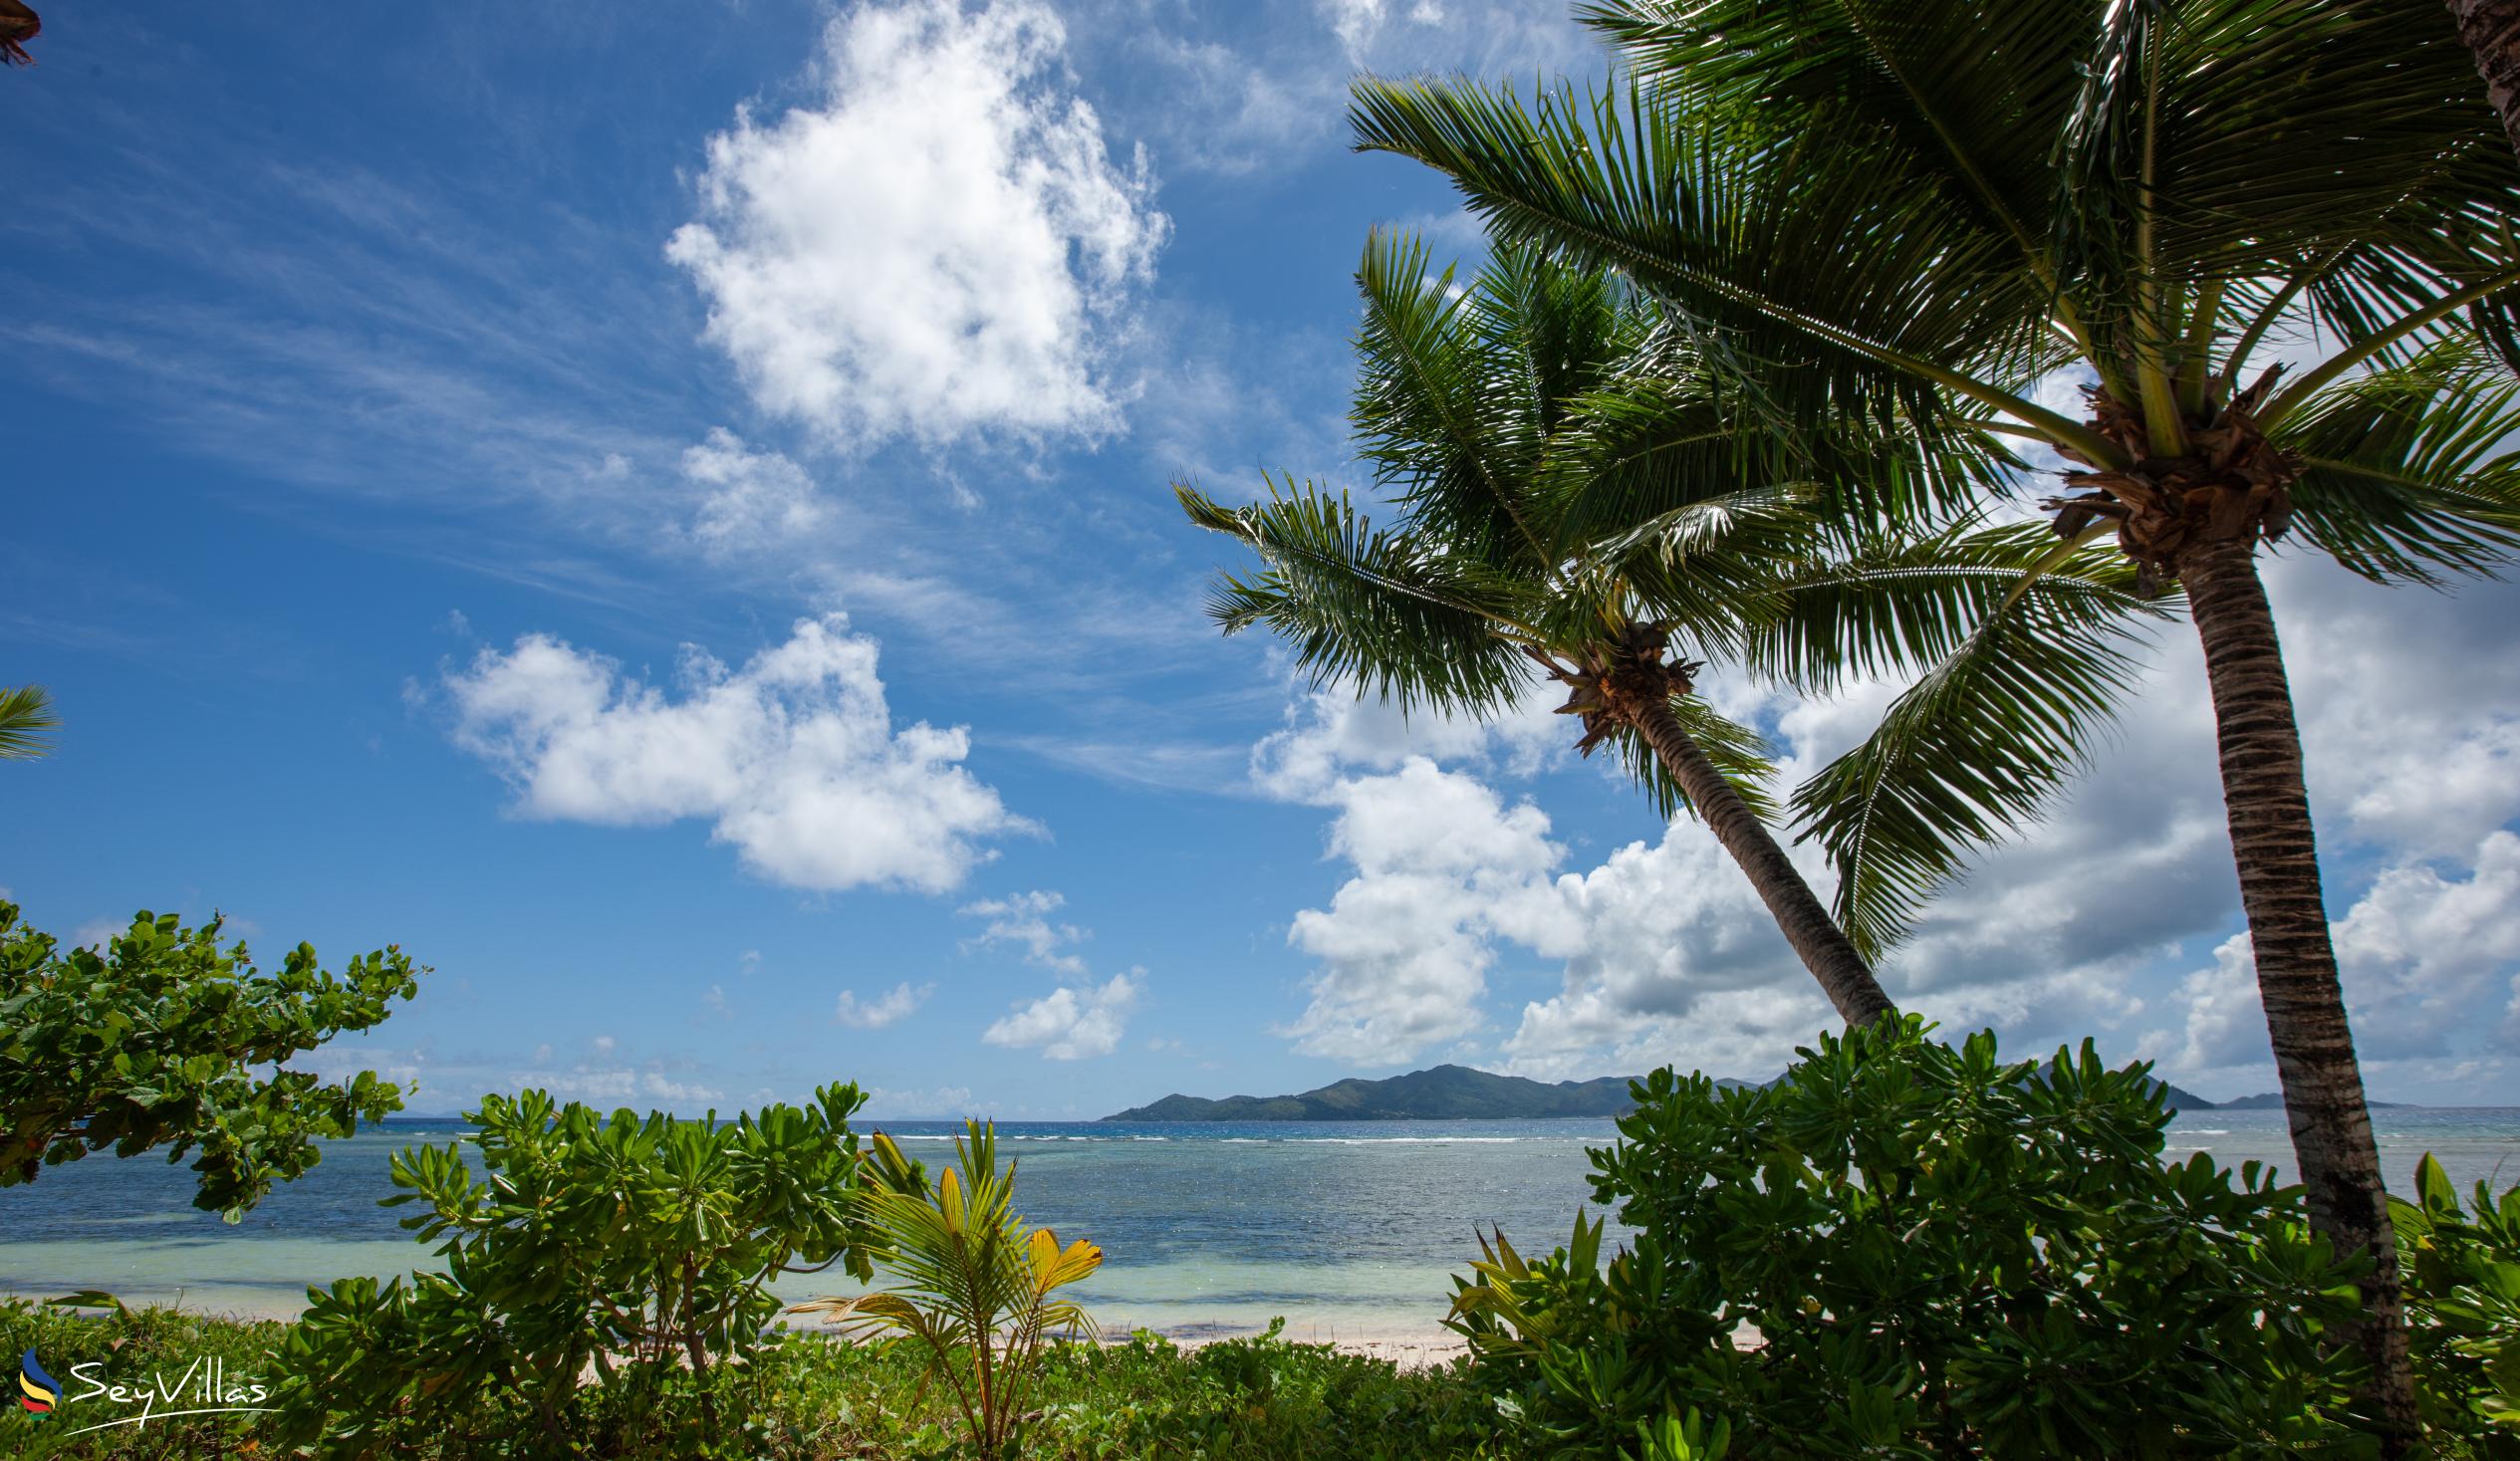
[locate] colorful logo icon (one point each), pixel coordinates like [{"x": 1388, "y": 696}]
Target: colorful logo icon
[{"x": 36, "y": 1391}]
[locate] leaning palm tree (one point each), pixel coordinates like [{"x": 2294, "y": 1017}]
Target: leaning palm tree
[
  {"x": 1571, "y": 497},
  {"x": 27, "y": 722},
  {"x": 1930, "y": 207}
]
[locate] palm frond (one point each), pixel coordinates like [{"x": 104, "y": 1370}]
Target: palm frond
[
  {"x": 1803, "y": 263},
  {"x": 1975, "y": 95},
  {"x": 972, "y": 1284},
  {"x": 1649, "y": 445},
  {"x": 2290, "y": 127},
  {"x": 2409, "y": 471},
  {"x": 2128, "y": 161},
  {"x": 27, "y": 722},
  {"x": 1379, "y": 609},
  {"x": 1975, "y": 748},
  {"x": 1455, "y": 449},
  {"x": 1707, "y": 567},
  {"x": 1547, "y": 336},
  {"x": 1897, "y": 604},
  {"x": 1738, "y": 751}
]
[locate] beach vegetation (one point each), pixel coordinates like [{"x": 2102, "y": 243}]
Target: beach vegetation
[
  {"x": 2283, "y": 269},
  {"x": 1903, "y": 1248},
  {"x": 974, "y": 1291},
  {"x": 168, "y": 1036},
  {"x": 2463, "y": 1302},
  {"x": 804, "y": 1397},
  {"x": 603, "y": 1274},
  {"x": 141, "y": 1347},
  {"x": 1939, "y": 1253}
]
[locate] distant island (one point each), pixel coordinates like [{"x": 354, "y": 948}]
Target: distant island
[
  {"x": 2273, "y": 1100},
  {"x": 1457, "y": 1092},
  {"x": 1443, "y": 1093},
  {"x": 2186, "y": 1101}
]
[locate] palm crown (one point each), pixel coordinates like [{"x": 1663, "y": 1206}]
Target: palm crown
[
  {"x": 1573, "y": 492},
  {"x": 1475, "y": 407},
  {"x": 1924, "y": 208}
]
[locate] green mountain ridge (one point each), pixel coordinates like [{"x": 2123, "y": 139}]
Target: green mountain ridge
[
  {"x": 1440, "y": 1093},
  {"x": 2273, "y": 1100},
  {"x": 1458, "y": 1092},
  {"x": 2185, "y": 1101}
]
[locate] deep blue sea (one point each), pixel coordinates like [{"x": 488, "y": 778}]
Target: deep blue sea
[{"x": 1347, "y": 1229}]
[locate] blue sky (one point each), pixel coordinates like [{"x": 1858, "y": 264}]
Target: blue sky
[{"x": 662, "y": 513}]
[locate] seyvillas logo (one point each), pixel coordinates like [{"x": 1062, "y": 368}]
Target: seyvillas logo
[
  {"x": 36, "y": 1391},
  {"x": 203, "y": 1389}
]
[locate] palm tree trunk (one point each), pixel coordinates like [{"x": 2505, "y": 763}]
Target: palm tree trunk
[
  {"x": 1824, "y": 947},
  {"x": 2492, "y": 29},
  {"x": 2271, "y": 838}
]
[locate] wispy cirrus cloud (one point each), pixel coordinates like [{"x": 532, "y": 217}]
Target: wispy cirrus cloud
[{"x": 1024, "y": 919}]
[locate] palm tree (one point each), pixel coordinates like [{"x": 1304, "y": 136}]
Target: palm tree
[
  {"x": 975, "y": 1286},
  {"x": 27, "y": 722},
  {"x": 1570, "y": 496},
  {"x": 1930, "y": 207}
]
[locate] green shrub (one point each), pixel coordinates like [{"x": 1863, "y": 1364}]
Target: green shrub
[
  {"x": 635, "y": 1252},
  {"x": 1262, "y": 1398},
  {"x": 165, "y": 1039},
  {"x": 1943, "y": 1254},
  {"x": 2463, "y": 1308},
  {"x": 816, "y": 1400}
]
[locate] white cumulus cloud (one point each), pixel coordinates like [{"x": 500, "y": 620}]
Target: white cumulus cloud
[
  {"x": 1404, "y": 947},
  {"x": 1332, "y": 732},
  {"x": 941, "y": 246},
  {"x": 888, "y": 1008},
  {"x": 2420, "y": 954},
  {"x": 793, "y": 759},
  {"x": 1071, "y": 1023}
]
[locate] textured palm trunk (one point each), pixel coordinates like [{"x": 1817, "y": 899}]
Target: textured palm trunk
[
  {"x": 2492, "y": 29},
  {"x": 2271, "y": 839},
  {"x": 1815, "y": 936}
]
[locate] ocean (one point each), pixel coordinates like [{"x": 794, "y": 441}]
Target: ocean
[{"x": 1348, "y": 1230}]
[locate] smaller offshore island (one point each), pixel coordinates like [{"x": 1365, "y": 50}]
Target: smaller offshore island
[{"x": 1457, "y": 1092}]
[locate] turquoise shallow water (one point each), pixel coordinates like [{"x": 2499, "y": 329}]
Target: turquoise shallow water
[{"x": 1348, "y": 1229}]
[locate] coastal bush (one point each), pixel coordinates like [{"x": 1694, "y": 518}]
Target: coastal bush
[
  {"x": 2463, "y": 1311},
  {"x": 135, "y": 1349},
  {"x": 165, "y": 1039},
  {"x": 1261, "y": 1397},
  {"x": 812, "y": 1398},
  {"x": 1942, "y": 1254},
  {"x": 973, "y": 1291},
  {"x": 635, "y": 1252}
]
